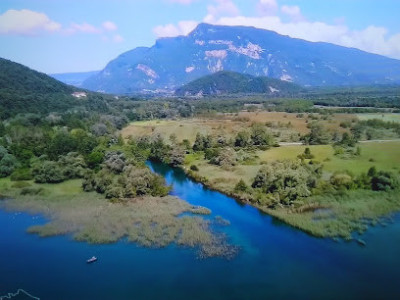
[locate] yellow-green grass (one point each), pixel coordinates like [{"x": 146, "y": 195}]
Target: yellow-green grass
[
  {"x": 385, "y": 156},
  {"x": 148, "y": 221},
  {"x": 387, "y": 117},
  {"x": 229, "y": 124},
  {"x": 183, "y": 129},
  {"x": 382, "y": 155}
]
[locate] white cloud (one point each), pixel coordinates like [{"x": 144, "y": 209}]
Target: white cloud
[
  {"x": 83, "y": 28},
  {"x": 293, "y": 12},
  {"x": 267, "y": 7},
  {"x": 171, "y": 30},
  {"x": 109, "y": 26},
  {"x": 26, "y": 22},
  {"x": 221, "y": 8}
]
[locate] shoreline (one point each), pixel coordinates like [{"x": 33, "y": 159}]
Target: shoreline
[{"x": 359, "y": 226}]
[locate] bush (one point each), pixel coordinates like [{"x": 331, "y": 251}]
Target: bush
[
  {"x": 48, "y": 172},
  {"x": 225, "y": 157},
  {"x": 32, "y": 191},
  {"x": 384, "y": 181},
  {"x": 342, "y": 181},
  {"x": 287, "y": 181},
  {"x": 21, "y": 184},
  {"x": 306, "y": 155},
  {"x": 194, "y": 168},
  {"x": 176, "y": 156},
  {"x": 21, "y": 174},
  {"x": 115, "y": 161},
  {"x": 8, "y": 163},
  {"x": 241, "y": 186},
  {"x": 94, "y": 159}
]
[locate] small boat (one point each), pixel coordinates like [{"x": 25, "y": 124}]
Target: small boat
[
  {"x": 92, "y": 260},
  {"x": 361, "y": 242}
]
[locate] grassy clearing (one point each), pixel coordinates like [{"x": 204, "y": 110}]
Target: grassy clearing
[
  {"x": 288, "y": 125},
  {"x": 384, "y": 156},
  {"x": 387, "y": 117},
  {"x": 149, "y": 221}
]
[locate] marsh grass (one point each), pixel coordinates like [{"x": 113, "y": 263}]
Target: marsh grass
[
  {"x": 343, "y": 214},
  {"x": 147, "y": 221}
]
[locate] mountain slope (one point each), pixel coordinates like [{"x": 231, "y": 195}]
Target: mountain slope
[
  {"x": 226, "y": 82},
  {"x": 172, "y": 62},
  {"x": 23, "y": 90}
]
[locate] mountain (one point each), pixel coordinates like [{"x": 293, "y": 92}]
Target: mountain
[
  {"x": 23, "y": 90},
  {"x": 226, "y": 82},
  {"x": 172, "y": 62},
  {"x": 75, "y": 79}
]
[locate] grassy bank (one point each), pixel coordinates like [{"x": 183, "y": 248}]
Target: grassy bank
[
  {"x": 148, "y": 221},
  {"x": 337, "y": 215}
]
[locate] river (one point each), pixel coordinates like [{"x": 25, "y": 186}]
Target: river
[{"x": 275, "y": 261}]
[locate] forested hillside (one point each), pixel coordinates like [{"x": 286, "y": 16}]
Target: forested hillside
[
  {"x": 26, "y": 90},
  {"x": 225, "y": 82}
]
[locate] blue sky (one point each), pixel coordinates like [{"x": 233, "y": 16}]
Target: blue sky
[{"x": 56, "y": 36}]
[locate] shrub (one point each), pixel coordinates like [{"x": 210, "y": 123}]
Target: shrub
[
  {"x": 241, "y": 186},
  {"x": 8, "y": 163},
  {"x": 94, "y": 159},
  {"x": 48, "y": 172},
  {"x": 21, "y": 174},
  {"x": 287, "y": 180},
  {"x": 384, "y": 181},
  {"x": 115, "y": 161},
  {"x": 306, "y": 155},
  {"x": 194, "y": 168},
  {"x": 342, "y": 181},
  {"x": 225, "y": 157},
  {"x": 176, "y": 156},
  {"x": 21, "y": 184},
  {"x": 32, "y": 191}
]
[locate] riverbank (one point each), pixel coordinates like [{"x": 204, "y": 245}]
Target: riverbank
[
  {"x": 88, "y": 217},
  {"x": 339, "y": 215}
]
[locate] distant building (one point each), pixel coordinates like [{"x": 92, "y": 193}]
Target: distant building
[{"x": 79, "y": 94}]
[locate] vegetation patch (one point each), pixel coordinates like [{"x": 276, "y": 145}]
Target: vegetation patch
[{"x": 148, "y": 221}]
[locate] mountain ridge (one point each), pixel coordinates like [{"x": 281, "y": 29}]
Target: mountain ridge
[{"x": 174, "y": 61}]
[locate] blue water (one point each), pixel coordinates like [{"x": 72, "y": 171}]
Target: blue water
[{"x": 275, "y": 261}]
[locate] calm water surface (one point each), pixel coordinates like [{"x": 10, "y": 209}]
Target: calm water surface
[{"x": 275, "y": 260}]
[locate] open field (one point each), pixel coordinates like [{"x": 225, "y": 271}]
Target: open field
[
  {"x": 289, "y": 125},
  {"x": 382, "y": 155},
  {"x": 148, "y": 221},
  {"x": 387, "y": 117}
]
